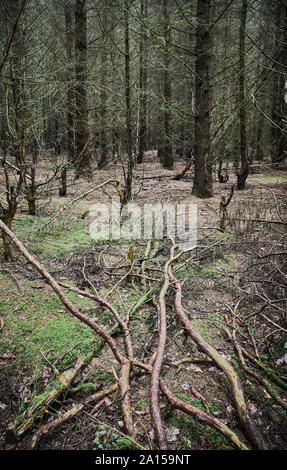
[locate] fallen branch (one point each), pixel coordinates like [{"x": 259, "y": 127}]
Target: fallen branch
[
  {"x": 123, "y": 361},
  {"x": 175, "y": 178},
  {"x": 76, "y": 199},
  {"x": 199, "y": 415},
  {"x": 154, "y": 388},
  {"x": 237, "y": 389},
  {"x": 69, "y": 415},
  {"x": 185, "y": 169},
  {"x": 40, "y": 404},
  {"x": 273, "y": 393}
]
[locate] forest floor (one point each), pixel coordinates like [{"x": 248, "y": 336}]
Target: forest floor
[{"x": 236, "y": 276}]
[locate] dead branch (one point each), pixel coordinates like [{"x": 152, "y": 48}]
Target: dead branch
[
  {"x": 123, "y": 361},
  {"x": 185, "y": 169},
  {"x": 223, "y": 209},
  {"x": 69, "y": 415},
  {"x": 196, "y": 413},
  {"x": 237, "y": 389},
  {"x": 276, "y": 397},
  {"x": 41, "y": 403},
  {"x": 76, "y": 199},
  {"x": 154, "y": 390}
]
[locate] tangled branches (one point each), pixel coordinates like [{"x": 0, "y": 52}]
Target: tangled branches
[{"x": 129, "y": 364}]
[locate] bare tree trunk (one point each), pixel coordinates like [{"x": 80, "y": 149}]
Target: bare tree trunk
[
  {"x": 166, "y": 151},
  {"x": 70, "y": 81},
  {"x": 244, "y": 169},
  {"x": 259, "y": 140},
  {"x": 7, "y": 217},
  {"x": 142, "y": 87},
  {"x": 83, "y": 158},
  {"x": 279, "y": 138},
  {"x": 129, "y": 176},
  {"x": 103, "y": 97},
  {"x": 17, "y": 70},
  {"x": 202, "y": 184}
]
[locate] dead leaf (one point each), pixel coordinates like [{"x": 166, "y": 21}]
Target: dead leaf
[
  {"x": 7, "y": 356},
  {"x": 281, "y": 361},
  {"x": 37, "y": 287},
  {"x": 226, "y": 318},
  {"x": 195, "y": 368},
  {"x": 1, "y": 324},
  {"x": 171, "y": 434},
  {"x": 252, "y": 407}
]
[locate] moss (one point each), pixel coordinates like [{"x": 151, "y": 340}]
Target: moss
[
  {"x": 57, "y": 240},
  {"x": 43, "y": 324},
  {"x": 141, "y": 404},
  {"x": 124, "y": 443}
]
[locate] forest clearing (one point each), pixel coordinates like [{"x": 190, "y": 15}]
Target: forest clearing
[{"x": 144, "y": 342}]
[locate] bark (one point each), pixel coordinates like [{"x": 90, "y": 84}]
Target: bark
[
  {"x": 142, "y": 87},
  {"x": 63, "y": 180},
  {"x": 103, "y": 98},
  {"x": 70, "y": 81},
  {"x": 166, "y": 154},
  {"x": 223, "y": 209},
  {"x": 259, "y": 141},
  {"x": 129, "y": 175},
  {"x": 279, "y": 133},
  {"x": 7, "y": 217},
  {"x": 244, "y": 169},
  {"x": 48, "y": 427},
  {"x": 41, "y": 403},
  {"x": 202, "y": 184},
  {"x": 83, "y": 157},
  {"x": 185, "y": 169},
  {"x": 155, "y": 376},
  {"x": 196, "y": 413}
]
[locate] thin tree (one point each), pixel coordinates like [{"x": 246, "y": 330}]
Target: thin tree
[
  {"x": 129, "y": 176},
  {"x": 202, "y": 183},
  {"x": 244, "y": 169},
  {"x": 142, "y": 85},
  {"x": 83, "y": 157},
  {"x": 279, "y": 134},
  {"x": 103, "y": 96}
]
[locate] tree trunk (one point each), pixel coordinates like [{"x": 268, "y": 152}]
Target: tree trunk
[
  {"x": 166, "y": 150},
  {"x": 142, "y": 87},
  {"x": 279, "y": 137},
  {"x": 7, "y": 217},
  {"x": 70, "y": 85},
  {"x": 83, "y": 158},
  {"x": 259, "y": 140},
  {"x": 244, "y": 169},
  {"x": 202, "y": 184},
  {"x": 129, "y": 176},
  {"x": 103, "y": 97}
]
